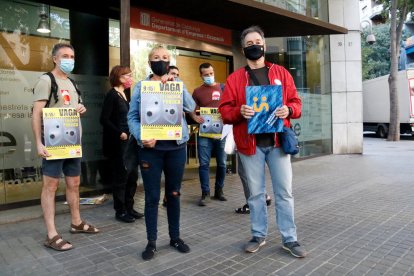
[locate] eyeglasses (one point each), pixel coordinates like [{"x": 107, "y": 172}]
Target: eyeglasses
[{"x": 174, "y": 74}]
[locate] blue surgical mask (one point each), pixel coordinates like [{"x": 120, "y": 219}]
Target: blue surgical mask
[
  {"x": 208, "y": 80},
  {"x": 66, "y": 65}
]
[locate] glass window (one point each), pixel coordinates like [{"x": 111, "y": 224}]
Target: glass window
[
  {"x": 312, "y": 8},
  {"x": 25, "y": 54},
  {"x": 306, "y": 58},
  {"x": 114, "y": 33},
  {"x": 59, "y": 23}
]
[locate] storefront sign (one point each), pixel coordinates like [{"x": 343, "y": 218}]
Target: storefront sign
[{"x": 152, "y": 21}]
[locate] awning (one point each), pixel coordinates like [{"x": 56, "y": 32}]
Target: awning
[{"x": 240, "y": 14}]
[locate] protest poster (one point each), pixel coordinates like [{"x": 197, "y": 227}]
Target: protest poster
[
  {"x": 213, "y": 125},
  {"x": 62, "y": 133},
  {"x": 264, "y": 100},
  {"x": 161, "y": 110}
]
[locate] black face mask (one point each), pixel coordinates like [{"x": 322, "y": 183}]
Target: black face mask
[
  {"x": 254, "y": 52},
  {"x": 160, "y": 67}
]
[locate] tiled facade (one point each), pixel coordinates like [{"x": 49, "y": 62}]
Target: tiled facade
[{"x": 346, "y": 76}]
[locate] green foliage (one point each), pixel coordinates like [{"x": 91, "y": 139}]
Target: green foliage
[
  {"x": 376, "y": 57},
  {"x": 400, "y": 5}
]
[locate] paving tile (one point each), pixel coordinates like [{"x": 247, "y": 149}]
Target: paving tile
[{"x": 347, "y": 218}]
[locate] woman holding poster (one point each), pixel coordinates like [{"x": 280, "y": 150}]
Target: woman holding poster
[{"x": 155, "y": 119}]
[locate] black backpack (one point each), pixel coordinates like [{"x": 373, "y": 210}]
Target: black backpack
[{"x": 54, "y": 89}]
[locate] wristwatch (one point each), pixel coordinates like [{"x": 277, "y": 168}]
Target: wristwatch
[{"x": 290, "y": 111}]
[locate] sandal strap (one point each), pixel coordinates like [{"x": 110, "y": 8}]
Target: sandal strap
[
  {"x": 81, "y": 227},
  {"x": 62, "y": 243},
  {"x": 78, "y": 227},
  {"x": 53, "y": 240},
  {"x": 91, "y": 228}
]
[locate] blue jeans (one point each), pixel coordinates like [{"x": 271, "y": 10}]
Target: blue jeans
[
  {"x": 281, "y": 175},
  {"x": 153, "y": 163},
  {"x": 205, "y": 146}
]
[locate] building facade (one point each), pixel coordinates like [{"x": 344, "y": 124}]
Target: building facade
[{"x": 317, "y": 41}]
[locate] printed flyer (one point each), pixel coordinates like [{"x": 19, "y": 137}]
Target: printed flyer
[
  {"x": 161, "y": 110},
  {"x": 62, "y": 133},
  {"x": 264, "y": 100},
  {"x": 213, "y": 125}
]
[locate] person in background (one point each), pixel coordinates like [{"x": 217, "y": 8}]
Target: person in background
[
  {"x": 173, "y": 71},
  {"x": 245, "y": 208},
  {"x": 257, "y": 151},
  {"x": 63, "y": 56},
  {"x": 208, "y": 95},
  {"x": 161, "y": 156},
  {"x": 115, "y": 138}
]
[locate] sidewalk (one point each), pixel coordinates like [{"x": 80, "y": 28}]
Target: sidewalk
[{"x": 354, "y": 213}]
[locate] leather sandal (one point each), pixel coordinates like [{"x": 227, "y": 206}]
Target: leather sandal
[
  {"x": 76, "y": 229},
  {"x": 58, "y": 246}
]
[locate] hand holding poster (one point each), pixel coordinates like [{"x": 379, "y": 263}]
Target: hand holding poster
[
  {"x": 161, "y": 110},
  {"x": 213, "y": 125},
  {"x": 264, "y": 100},
  {"x": 62, "y": 133}
]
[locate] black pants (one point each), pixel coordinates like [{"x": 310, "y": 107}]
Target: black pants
[{"x": 124, "y": 183}]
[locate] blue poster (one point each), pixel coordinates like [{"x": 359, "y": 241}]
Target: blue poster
[{"x": 264, "y": 100}]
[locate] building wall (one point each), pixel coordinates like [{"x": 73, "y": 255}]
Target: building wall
[{"x": 346, "y": 76}]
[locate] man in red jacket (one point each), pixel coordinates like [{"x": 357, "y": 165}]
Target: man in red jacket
[{"x": 257, "y": 150}]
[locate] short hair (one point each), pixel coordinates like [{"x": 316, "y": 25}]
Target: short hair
[
  {"x": 116, "y": 73},
  {"x": 251, "y": 29},
  {"x": 171, "y": 67},
  {"x": 204, "y": 65},
  {"x": 59, "y": 46},
  {"x": 155, "y": 48}
]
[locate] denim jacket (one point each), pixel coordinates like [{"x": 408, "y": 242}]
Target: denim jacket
[{"x": 134, "y": 114}]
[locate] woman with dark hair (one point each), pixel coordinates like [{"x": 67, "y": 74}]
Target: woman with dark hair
[{"x": 115, "y": 138}]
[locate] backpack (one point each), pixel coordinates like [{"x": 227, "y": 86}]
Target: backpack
[
  {"x": 222, "y": 87},
  {"x": 54, "y": 89}
]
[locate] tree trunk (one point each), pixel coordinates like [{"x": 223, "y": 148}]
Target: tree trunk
[{"x": 394, "y": 127}]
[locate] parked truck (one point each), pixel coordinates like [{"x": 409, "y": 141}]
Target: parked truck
[{"x": 376, "y": 103}]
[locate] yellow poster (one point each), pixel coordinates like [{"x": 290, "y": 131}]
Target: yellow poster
[
  {"x": 161, "y": 110},
  {"x": 213, "y": 125},
  {"x": 62, "y": 133}
]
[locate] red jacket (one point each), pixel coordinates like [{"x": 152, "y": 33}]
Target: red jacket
[{"x": 234, "y": 96}]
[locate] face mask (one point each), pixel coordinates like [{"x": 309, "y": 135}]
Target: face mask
[
  {"x": 160, "y": 67},
  {"x": 254, "y": 52},
  {"x": 66, "y": 65},
  {"x": 208, "y": 80},
  {"x": 128, "y": 83}
]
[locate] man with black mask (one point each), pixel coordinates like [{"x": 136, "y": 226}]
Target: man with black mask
[{"x": 257, "y": 150}]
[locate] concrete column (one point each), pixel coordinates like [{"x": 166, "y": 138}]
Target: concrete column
[{"x": 346, "y": 78}]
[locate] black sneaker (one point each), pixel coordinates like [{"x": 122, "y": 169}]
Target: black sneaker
[
  {"x": 124, "y": 217},
  {"x": 295, "y": 249},
  {"x": 203, "y": 199},
  {"x": 219, "y": 195},
  {"x": 135, "y": 214},
  {"x": 180, "y": 245},
  {"x": 149, "y": 251},
  {"x": 254, "y": 244}
]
